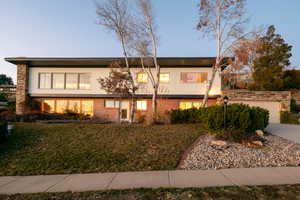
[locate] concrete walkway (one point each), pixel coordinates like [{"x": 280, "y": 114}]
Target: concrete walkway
[
  {"x": 287, "y": 131},
  {"x": 155, "y": 179}
]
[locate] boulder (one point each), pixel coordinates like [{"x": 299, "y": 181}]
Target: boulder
[
  {"x": 258, "y": 143},
  {"x": 260, "y": 133},
  {"x": 218, "y": 143}
]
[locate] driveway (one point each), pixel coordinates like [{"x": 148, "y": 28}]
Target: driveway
[{"x": 290, "y": 132}]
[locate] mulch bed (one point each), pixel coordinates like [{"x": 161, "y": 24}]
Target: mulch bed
[{"x": 277, "y": 152}]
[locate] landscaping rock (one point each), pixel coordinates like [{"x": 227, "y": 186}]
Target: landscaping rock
[
  {"x": 218, "y": 143},
  {"x": 273, "y": 154},
  {"x": 258, "y": 143},
  {"x": 260, "y": 133}
]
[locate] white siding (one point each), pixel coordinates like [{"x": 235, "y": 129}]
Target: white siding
[{"x": 175, "y": 86}]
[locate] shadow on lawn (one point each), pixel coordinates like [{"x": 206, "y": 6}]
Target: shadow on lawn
[{"x": 22, "y": 137}]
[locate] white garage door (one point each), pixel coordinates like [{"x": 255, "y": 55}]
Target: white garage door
[{"x": 272, "y": 107}]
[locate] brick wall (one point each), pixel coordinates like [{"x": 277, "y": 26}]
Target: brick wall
[
  {"x": 284, "y": 97},
  {"x": 22, "y": 87}
]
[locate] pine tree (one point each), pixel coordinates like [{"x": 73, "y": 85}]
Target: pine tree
[{"x": 273, "y": 59}]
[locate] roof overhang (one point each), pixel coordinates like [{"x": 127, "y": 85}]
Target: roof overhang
[{"x": 106, "y": 62}]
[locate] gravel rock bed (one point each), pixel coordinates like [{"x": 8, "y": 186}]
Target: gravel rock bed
[{"x": 278, "y": 152}]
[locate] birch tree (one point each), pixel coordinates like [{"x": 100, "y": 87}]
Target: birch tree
[
  {"x": 223, "y": 20},
  {"x": 145, "y": 45},
  {"x": 114, "y": 15}
]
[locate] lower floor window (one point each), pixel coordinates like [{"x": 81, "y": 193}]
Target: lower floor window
[
  {"x": 189, "y": 104},
  {"x": 112, "y": 104},
  {"x": 85, "y": 107},
  {"x": 141, "y": 105}
]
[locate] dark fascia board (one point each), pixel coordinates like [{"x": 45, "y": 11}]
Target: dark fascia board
[
  {"x": 106, "y": 62},
  {"x": 143, "y": 96}
]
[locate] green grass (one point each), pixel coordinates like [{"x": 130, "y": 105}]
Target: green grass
[
  {"x": 85, "y": 148},
  {"x": 224, "y": 193}
]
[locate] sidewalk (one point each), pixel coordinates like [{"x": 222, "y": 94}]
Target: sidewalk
[{"x": 155, "y": 179}]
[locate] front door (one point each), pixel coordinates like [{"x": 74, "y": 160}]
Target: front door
[{"x": 125, "y": 111}]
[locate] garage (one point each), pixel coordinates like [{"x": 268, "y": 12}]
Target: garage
[{"x": 272, "y": 106}]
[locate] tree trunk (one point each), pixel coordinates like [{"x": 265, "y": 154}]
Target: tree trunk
[
  {"x": 154, "y": 105},
  {"x": 209, "y": 86},
  {"x": 132, "y": 109}
]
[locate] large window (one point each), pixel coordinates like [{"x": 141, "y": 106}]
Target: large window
[
  {"x": 112, "y": 104},
  {"x": 84, "y": 81},
  {"x": 164, "y": 77},
  {"x": 64, "y": 81},
  {"x": 45, "y": 80},
  {"x": 48, "y": 106},
  {"x": 87, "y": 107},
  {"x": 74, "y": 106},
  {"x": 194, "y": 77},
  {"x": 61, "y": 106},
  {"x": 189, "y": 104},
  {"x": 142, "y": 77},
  {"x": 58, "y": 81},
  {"x": 71, "y": 81},
  {"x": 141, "y": 105}
]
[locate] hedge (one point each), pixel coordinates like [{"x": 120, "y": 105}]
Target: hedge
[
  {"x": 240, "y": 118},
  {"x": 3, "y": 130}
]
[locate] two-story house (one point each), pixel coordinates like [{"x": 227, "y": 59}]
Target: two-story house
[{"x": 72, "y": 84}]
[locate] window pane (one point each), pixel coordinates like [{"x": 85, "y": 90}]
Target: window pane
[
  {"x": 197, "y": 104},
  {"x": 58, "y": 81},
  {"x": 74, "y": 106},
  {"x": 61, "y": 106},
  {"x": 164, "y": 77},
  {"x": 185, "y": 105},
  {"x": 141, "y": 105},
  {"x": 84, "y": 81},
  {"x": 109, "y": 104},
  {"x": 45, "y": 81},
  {"x": 87, "y": 107},
  {"x": 48, "y": 106},
  {"x": 142, "y": 77},
  {"x": 71, "y": 81}
]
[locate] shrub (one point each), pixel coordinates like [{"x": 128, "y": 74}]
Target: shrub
[
  {"x": 3, "y": 130},
  {"x": 241, "y": 119},
  {"x": 8, "y": 116}
]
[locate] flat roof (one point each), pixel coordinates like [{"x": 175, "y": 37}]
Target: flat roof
[{"x": 107, "y": 61}]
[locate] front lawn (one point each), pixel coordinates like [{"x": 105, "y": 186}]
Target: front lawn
[
  {"x": 86, "y": 148},
  {"x": 224, "y": 193}
]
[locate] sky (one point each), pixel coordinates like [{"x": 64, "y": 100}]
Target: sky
[{"x": 67, "y": 28}]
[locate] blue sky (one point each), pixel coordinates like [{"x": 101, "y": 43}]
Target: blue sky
[{"x": 67, "y": 28}]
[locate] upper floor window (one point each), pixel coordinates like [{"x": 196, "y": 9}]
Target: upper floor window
[
  {"x": 194, "y": 77},
  {"x": 64, "y": 81},
  {"x": 142, "y": 77},
  {"x": 164, "y": 77},
  {"x": 84, "y": 81},
  {"x": 58, "y": 81},
  {"x": 45, "y": 80},
  {"x": 71, "y": 81}
]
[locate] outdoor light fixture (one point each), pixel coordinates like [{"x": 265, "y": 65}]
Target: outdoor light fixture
[{"x": 225, "y": 100}]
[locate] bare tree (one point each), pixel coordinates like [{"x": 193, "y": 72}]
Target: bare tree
[
  {"x": 114, "y": 15},
  {"x": 145, "y": 45},
  {"x": 223, "y": 20}
]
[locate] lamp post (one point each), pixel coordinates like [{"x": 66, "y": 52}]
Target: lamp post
[{"x": 225, "y": 101}]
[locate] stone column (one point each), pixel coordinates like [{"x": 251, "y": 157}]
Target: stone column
[{"x": 22, "y": 87}]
